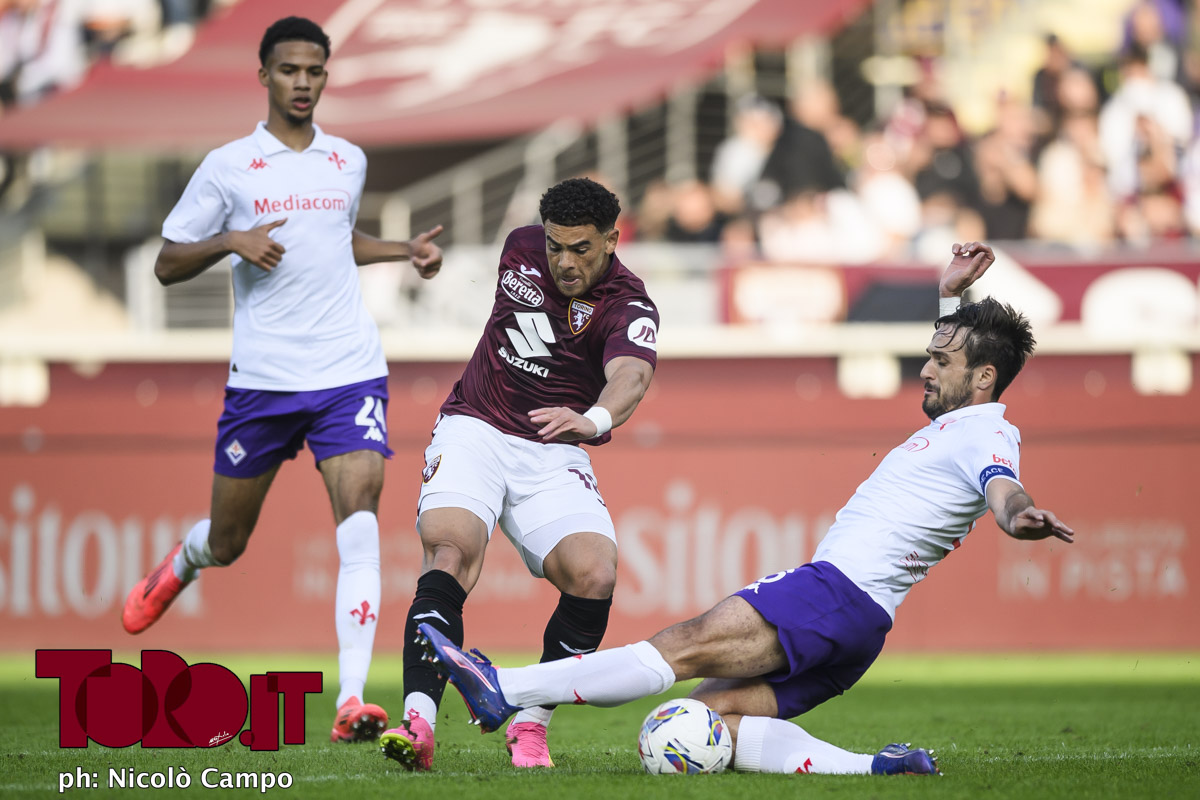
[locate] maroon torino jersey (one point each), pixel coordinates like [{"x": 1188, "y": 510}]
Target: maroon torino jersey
[{"x": 541, "y": 349}]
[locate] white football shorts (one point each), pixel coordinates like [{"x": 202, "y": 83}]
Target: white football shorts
[{"x": 539, "y": 493}]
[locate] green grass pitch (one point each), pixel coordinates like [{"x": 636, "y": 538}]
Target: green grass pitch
[{"x": 1004, "y": 726}]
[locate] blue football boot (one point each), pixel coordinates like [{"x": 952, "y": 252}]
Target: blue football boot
[
  {"x": 472, "y": 674},
  {"x": 897, "y": 759}
]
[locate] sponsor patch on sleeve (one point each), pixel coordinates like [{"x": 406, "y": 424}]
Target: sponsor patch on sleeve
[
  {"x": 644, "y": 332},
  {"x": 995, "y": 471}
]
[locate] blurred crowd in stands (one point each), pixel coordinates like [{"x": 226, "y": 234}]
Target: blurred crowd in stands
[
  {"x": 48, "y": 45},
  {"x": 1088, "y": 157}
]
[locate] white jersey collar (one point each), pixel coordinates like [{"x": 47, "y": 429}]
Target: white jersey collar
[
  {"x": 978, "y": 410},
  {"x": 269, "y": 145}
]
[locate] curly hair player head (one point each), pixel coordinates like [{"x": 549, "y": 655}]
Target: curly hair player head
[
  {"x": 580, "y": 201},
  {"x": 291, "y": 29},
  {"x": 997, "y": 334}
]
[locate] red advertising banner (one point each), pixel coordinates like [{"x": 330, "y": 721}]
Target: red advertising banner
[{"x": 730, "y": 470}]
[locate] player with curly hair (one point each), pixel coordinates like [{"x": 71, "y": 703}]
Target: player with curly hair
[{"x": 567, "y": 355}]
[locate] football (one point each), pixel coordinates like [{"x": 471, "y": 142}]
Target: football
[{"x": 685, "y": 737}]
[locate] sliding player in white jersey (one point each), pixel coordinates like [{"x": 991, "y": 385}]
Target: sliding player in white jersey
[
  {"x": 307, "y": 364},
  {"x": 792, "y": 640}
]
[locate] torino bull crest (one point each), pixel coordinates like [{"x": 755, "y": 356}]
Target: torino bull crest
[{"x": 579, "y": 314}]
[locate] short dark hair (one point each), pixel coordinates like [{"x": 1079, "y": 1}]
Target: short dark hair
[
  {"x": 292, "y": 29},
  {"x": 997, "y": 334},
  {"x": 580, "y": 201}
]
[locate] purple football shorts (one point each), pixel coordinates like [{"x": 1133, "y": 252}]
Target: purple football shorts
[
  {"x": 831, "y": 630},
  {"x": 261, "y": 429}
]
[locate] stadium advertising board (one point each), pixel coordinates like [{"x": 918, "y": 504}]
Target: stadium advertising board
[{"x": 708, "y": 492}]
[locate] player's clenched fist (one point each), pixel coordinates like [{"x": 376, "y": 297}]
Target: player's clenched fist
[{"x": 257, "y": 246}]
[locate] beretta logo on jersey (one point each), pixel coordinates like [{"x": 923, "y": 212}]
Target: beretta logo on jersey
[
  {"x": 521, "y": 289},
  {"x": 167, "y": 703},
  {"x": 319, "y": 200},
  {"x": 579, "y": 314}
]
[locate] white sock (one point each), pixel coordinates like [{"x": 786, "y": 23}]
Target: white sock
[
  {"x": 605, "y": 678},
  {"x": 357, "y": 603},
  {"x": 194, "y": 555},
  {"x": 423, "y": 704},
  {"x": 539, "y": 714},
  {"x": 779, "y": 746}
]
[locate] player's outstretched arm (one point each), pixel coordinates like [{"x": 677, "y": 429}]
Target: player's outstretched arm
[
  {"x": 1017, "y": 516},
  {"x": 968, "y": 264},
  {"x": 182, "y": 261},
  {"x": 425, "y": 255},
  {"x": 628, "y": 378}
]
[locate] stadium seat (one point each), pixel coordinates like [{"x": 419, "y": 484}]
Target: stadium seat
[{"x": 1139, "y": 303}]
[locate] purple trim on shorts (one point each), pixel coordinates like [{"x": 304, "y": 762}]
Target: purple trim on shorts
[
  {"x": 831, "y": 631},
  {"x": 260, "y": 429}
]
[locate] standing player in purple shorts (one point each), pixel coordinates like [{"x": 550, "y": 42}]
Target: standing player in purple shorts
[
  {"x": 567, "y": 355},
  {"x": 307, "y": 362},
  {"x": 790, "y": 641}
]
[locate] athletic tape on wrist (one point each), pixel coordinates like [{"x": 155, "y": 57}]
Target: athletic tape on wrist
[
  {"x": 948, "y": 305},
  {"x": 600, "y": 416}
]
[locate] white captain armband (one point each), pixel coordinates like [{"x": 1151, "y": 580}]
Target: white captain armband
[
  {"x": 602, "y": 419},
  {"x": 948, "y": 305}
]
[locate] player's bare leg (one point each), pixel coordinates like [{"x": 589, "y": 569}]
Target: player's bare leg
[
  {"x": 762, "y": 743},
  {"x": 583, "y": 567},
  {"x": 749, "y": 709},
  {"x": 730, "y": 640},
  {"x": 234, "y": 511},
  {"x": 732, "y": 631},
  {"x": 354, "y": 482},
  {"x": 213, "y": 542},
  {"x": 453, "y": 540},
  {"x": 734, "y": 698}
]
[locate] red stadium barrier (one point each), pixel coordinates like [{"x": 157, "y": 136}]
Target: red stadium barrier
[{"x": 729, "y": 470}]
